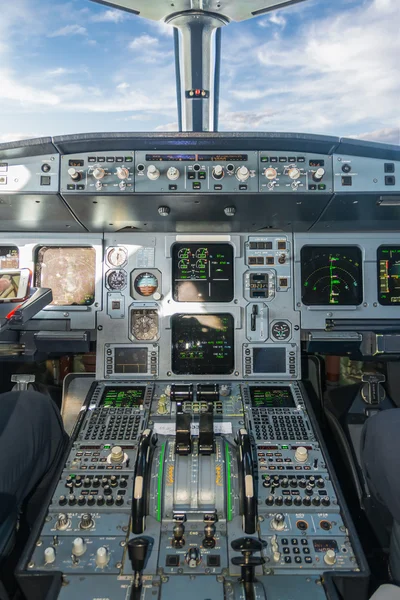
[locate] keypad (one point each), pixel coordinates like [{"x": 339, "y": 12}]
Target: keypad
[{"x": 119, "y": 425}]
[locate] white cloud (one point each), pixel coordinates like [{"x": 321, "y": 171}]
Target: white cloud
[
  {"x": 277, "y": 19},
  {"x": 389, "y": 135},
  {"x": 12, "y": 90},
  {"x": 109, "y": 16},
  {"x": 340, "y": 74},
  {"x": 162, "y": 28},
  {"x": 167, "y": 127},
  {"x": 14, "y": 137},
  {"x": 68, "y": 30},
  {"x": 143, "y": 41}
]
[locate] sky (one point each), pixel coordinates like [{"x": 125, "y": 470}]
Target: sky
[{"x": 323, "y": 66}]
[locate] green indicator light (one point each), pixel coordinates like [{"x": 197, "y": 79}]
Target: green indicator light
[
  {"x": 72, "y": 475},
  {"x": 285, "y": 447},
  {"x": 107, "y": 447}
]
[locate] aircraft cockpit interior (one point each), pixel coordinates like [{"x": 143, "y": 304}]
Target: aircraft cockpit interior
[{"x": 177, "y": 311}]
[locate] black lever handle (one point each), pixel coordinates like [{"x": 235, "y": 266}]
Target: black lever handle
[
  {"x": 141, "y": 480},
  {"x": 247, "y": 562},
  {"x": 248, "y": 500},
  {"x": 137, "y": 552}
]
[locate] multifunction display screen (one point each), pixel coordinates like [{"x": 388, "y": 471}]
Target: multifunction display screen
[
  {"x": 389, "y": 275},
  {"x": 130, "y": 360},
  {"x": 70, "y": 272},
  {"x": 118, "y": 397},
  {"x": 202, "y": 272},
  {"x": 271, "y": 397},
  {"x": 203, "y": 344},
  {"x": 331, "y": 275},
  {"x": 269, "y": 360}
]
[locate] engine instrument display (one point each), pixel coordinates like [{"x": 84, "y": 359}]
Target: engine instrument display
[
  {"x": 121, "y": 397},
  {"x": 70, "y": 272},
  {"x": 203, "y": 344},
  {"x": 144, "y": 324},
  {"x": 271, "y": 397},
  {"x": 331, "y": 275},
  {"x": 130, "y": 360},
  {"x": 269, "y": 360},
  {"x": 202, "y": 272},
  {"x": 9, "y": 257},
  {"x": 389, "y": 275}
]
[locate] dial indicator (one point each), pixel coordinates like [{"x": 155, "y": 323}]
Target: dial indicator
[
  {"x": 116, "y": 256},
  {"x": 280, "y": 330},
  {"x": 144, "y": 324},
  {"x": 331, "y": 275},
  {"x": 116, "y": 280}
]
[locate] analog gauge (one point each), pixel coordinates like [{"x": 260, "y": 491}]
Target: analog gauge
[
  {"x": 144, "y": 324},
  {"x": 280, "y": 330},
  {"x": 116, "y": 280},
  {"x": 116, "y": 256},
  {"x": 146, "y": 284}
]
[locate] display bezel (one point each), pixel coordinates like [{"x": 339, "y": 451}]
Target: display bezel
[
  {"x": 385, "y": 301},
  {"x": 177, "y": 282},
  {"x": 132, "y": 349},
  {"x": 182, "y": 366},
  {"x": 339, "y": 248}
]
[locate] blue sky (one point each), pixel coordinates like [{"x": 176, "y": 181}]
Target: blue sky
[{"x": 322, "y": 66}]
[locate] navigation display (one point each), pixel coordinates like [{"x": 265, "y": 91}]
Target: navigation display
[
  {"x": 119, "y": 397},
  {"x": 130, "y": 360},
  {"x": 202, "y": 272},
  {"x": 70, "y": 272},
  {"x": 269, "y": 360},
  {"x": 331, "y": 275},
  {"x": 389, "y": 275},
  {"x": 271, "y": 397},
  {"x": 203, "y": 344}
]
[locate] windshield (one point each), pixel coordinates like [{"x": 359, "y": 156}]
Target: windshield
[{"x": 319, "y": 67}]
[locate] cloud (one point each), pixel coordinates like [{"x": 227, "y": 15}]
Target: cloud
[
  {"x": 389, "y": 135},
  {"x": 143, "y": 41},
  {"x": 338, "y": 74},
  {"x": 162, "y": 28},
  {"x": 276, "y": 18},
  {"x": 14, "y": 137},
  {"x": 167, "y": 127},
  {"x": 12, "y": 90},
  {"x": 109, "y": 16},
  {"x": 68, "y": 30}
]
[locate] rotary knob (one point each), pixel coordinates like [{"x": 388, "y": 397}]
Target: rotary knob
[
  {"x": 278, "y": 522},
  {"x": 74, "y": 174},
  {"x": 242, "y": 173},
  {"x": 294, "y": 172},
  {"x": 271, "y": 173},
  {"x": 153, "y": 173},
  {"x": 86, "y": 521},
  {"x": 49, "y": 556},
  {"x": 117, "y": 454},
  {"x": 98, "y": 173},
  {"x": 319, "y": 173},
  {"x": 78, "y": 547},
  {"x": 330, "y": 557},
  {"x": 193, "y": 557},
  {"x": 173, "y": 174},
  {"x": 122, "y": 173},
  {"x": 62, "y": 522},
  {"x": 102, "y": 557},
  {"x": 301, "y": 454},
  {"x": 218, "y": 172}
]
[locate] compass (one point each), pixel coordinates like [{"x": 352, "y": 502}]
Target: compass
[{"x": 116, "y": 280}]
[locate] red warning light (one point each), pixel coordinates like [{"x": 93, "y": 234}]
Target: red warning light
[{"x": 197, "y": 92}]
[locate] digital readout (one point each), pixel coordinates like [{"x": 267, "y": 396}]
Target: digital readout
[
  {"x": 271, "y": 397},
  {"x": 389, "y": 275},
  {"x": 119, "y": 397}
]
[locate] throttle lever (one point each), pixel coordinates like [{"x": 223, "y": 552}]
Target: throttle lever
[{"x": 248, "y": 502}]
